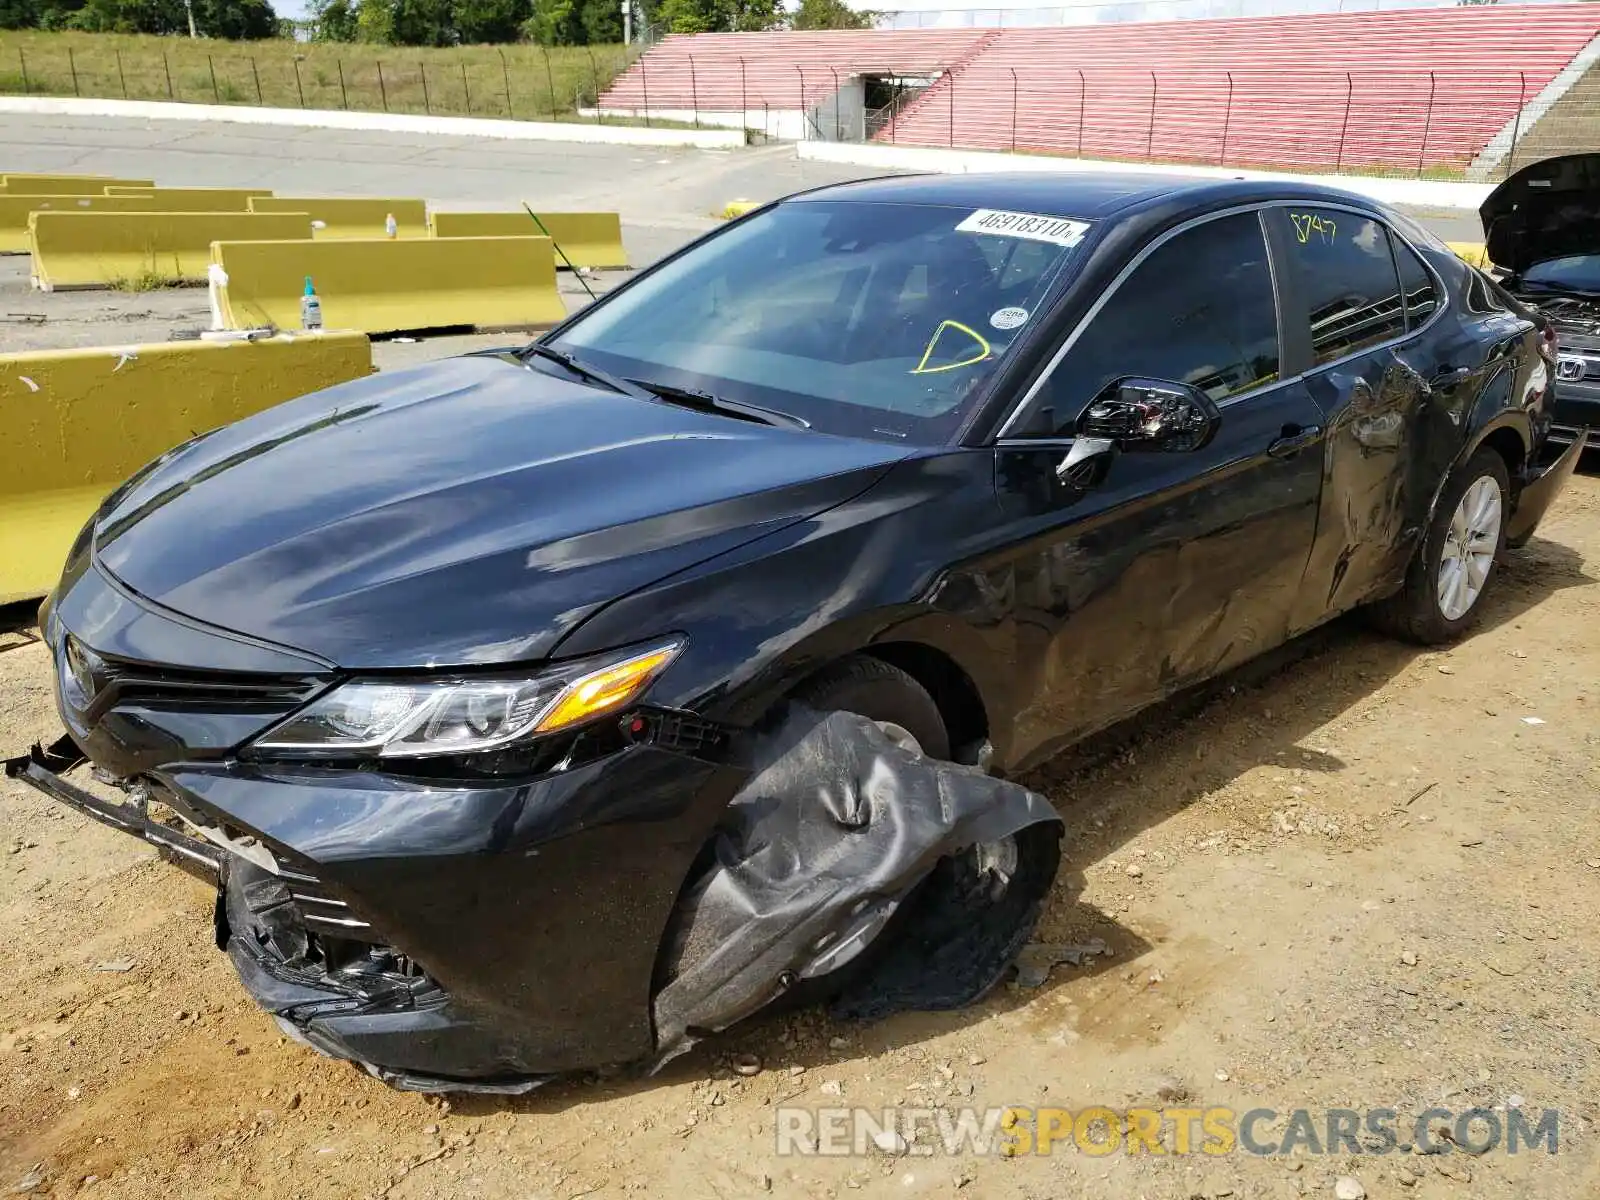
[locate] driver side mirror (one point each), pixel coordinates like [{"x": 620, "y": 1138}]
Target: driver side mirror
[{"x": 1151, "y": 415}]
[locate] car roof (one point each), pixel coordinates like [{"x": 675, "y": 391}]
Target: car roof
[{"x": 1088, "y": 194}]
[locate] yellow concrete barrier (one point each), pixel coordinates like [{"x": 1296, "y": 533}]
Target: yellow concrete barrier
[
  {"x": 1471, "y": 252},
  {"x": 65, "y": 185},
  {"x": 588, "y": 239},
  {"x": 78, "y": 422},
  {"x": 93, "y": 249},
  {"x": 15, "y": 210},
  {"x": 194, "y": 199},
  {"x": 345, "y": 217},
  {"x": 383, "y": 285}
]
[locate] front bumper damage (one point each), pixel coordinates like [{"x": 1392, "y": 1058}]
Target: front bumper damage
[{"x": 486, "y": 938}]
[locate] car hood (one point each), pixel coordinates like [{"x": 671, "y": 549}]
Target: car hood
[
  {"x": 469, "y": 511},
  {"x": 1548, "y": 210}
]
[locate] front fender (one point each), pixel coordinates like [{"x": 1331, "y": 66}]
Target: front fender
[{"x": 874, "y": 570}]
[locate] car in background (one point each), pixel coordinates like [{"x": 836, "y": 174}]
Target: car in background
[
  {"x": 440, "y": 668},
  {"x": 1542, "y": 230}
]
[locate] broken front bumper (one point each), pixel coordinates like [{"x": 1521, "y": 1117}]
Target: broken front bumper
[
  {"x": 535, "y": 909},
  {"x": 1541, "y": 484}
]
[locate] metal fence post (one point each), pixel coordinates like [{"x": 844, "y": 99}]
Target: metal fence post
[
  {"x": 594, "y": 78},
  {"x": 952, "y": 90},
  {"x": 1427, "y": 124},
  {"x": 256, "y": 75},
  {"x": 120, "y": 76},
  {"x": 1227, "y": 120},
  {"x": 344, "y": 96},
  {"x": 1013, "y": 110},
  {"x": 694, "y": 90},
  {"x": 167, "y": 67},
  {"x": 466, "y": 91},
  {"x": 27, "y": 88},
  {"x": 1150, "y": 136},
  {"x": 804, "y": 120},
  {"x": 1344, "y": 132},
  {"x": 644, "y": 82},
  {"x": 1516, "y": 124},
  {"x": 299, "y": 88},
  {"x": 744, "y": 96},
  {"x": 505, "y": 72},
  {"x": 73, "y": 64},
  {"x": 1083, "y": 96},
  {"x": 427, "y": 100},
  {"x": 216, "y": 94},
  {"x": 383, "y": 89},
  {"x": 550, "y": 76},
  {"x": 835, "y": 71}
]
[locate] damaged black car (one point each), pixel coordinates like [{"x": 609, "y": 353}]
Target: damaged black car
[
  {"x": 555, "y": 708},
  {"x": 1542, "y": 228}
]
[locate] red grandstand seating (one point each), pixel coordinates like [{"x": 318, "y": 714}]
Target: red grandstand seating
[
  {"x": 1343, "y": 89},
  {"x": 1411, "y": 88}
]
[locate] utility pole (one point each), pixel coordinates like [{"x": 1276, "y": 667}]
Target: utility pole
[
  {"x": 627, "y": 22},
  {"x": 188, "y": 7}
]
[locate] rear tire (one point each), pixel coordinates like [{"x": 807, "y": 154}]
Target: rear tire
[
  {"x": 879, "y": 692},
  {"x": 1455, "y": 566}
]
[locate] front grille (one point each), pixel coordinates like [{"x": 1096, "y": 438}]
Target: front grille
[
  {"x": 131, "y": 683},
  {"x": 319, "y": 908}
]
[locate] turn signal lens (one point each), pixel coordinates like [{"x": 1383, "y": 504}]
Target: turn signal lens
[{"x": 605, "y": 690}]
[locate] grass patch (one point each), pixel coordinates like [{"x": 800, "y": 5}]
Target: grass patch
[
  {"x": 147, "y": 280},
  {"x": 520, "y": 82}
]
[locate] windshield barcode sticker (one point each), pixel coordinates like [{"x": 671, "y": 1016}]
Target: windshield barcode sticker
[{"x": 1060, "y": 230}]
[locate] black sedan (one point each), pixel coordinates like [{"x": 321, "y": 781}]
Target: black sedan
[{"x": 483, "y": 686}]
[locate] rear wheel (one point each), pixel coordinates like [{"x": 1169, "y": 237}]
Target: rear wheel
[{"x": 1456, "y": 563}]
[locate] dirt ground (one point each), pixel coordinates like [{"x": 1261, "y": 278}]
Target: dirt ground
[{"x": 1365, "y": 877}]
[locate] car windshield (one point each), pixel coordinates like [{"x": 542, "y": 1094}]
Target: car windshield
[
  {"x": 867, "y": 319},
  {"x": 1575, "y": 273}
]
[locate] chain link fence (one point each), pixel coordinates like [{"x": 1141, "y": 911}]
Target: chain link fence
[{"x": 518, "y": 82}]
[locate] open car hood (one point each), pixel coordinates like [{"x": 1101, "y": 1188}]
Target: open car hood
[{"x": 1548, "y": 210}]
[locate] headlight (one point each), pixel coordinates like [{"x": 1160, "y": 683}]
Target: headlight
[{"x": 396, "y": 718}]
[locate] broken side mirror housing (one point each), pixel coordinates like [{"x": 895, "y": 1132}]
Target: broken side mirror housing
[{"x": 1151, "y": 416}]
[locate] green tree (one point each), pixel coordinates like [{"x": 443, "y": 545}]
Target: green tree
[
  {"x": 601, "y": 21},
  {"x": 486, "y": 21},
  {"x": 718, "y": 16},
  {"x": 554, "y": 23},
  {"x": 334, "y": 21},
  {"x": 422, "y": 23},
  {"x": 235, "y": 19},
  {"x": 830, "y": 14},
  {"x": 19, "y": 14},
  {"x": 375, "y": 21}
]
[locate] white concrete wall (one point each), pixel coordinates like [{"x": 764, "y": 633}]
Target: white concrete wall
[
  {"x": 777, "y": 124},
  {"x": 1418, "y": 192},
  {"x": 546, "y": 131}
]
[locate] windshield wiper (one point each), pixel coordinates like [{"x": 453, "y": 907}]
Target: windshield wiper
[
  {"x": 578, "y": 367},
  {"x": 706, "y": 402}
]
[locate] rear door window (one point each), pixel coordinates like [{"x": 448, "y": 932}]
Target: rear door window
[
  {"x": 1348, "y": 282},
  {"x": 1421, "y": 293}
]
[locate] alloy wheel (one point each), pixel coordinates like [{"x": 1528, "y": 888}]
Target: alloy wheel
[{"x": 1469, "y": 548}]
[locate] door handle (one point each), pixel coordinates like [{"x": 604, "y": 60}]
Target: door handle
[{"x": 1294, "y": 439}]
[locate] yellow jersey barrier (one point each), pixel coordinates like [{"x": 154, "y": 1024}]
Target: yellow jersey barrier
[
  {"x": 588, "y": 239},
  {"x": 344, "y": 217},
  {"x": 202, "y": 199},
  {"x": 79, "y": 422},
  {"x": 386, "y": 285},
  {"x": 142, "y": 250},
  {"x": 65, "y": 185},
  {"x": 15, "y": 211},
  {"x": 1471, "y": 252}
]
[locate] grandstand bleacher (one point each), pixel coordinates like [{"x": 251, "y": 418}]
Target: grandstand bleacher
[{"x": 1417, "y": 89}]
